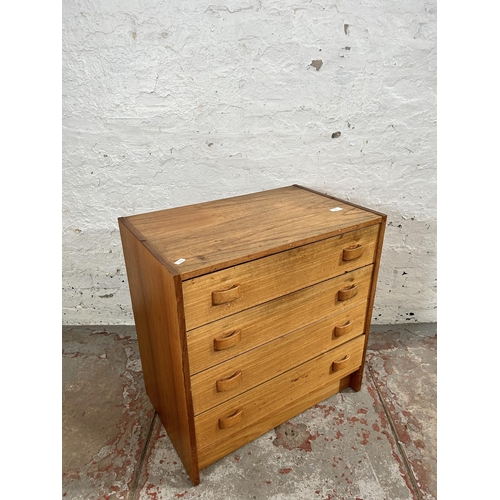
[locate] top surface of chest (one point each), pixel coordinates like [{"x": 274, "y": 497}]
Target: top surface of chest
[{"x": 202, "y": 238}]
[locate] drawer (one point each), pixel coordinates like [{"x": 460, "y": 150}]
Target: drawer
[
  {"x": 223, "y": 447},
  {"x": 213, "y": 296},
  {"x": 239, "y": 374},
  {"x": 226, "y": 338},
  {"x": 252, "y": 410}
]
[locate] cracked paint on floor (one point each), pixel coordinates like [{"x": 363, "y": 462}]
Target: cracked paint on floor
[{"x": 378, "y": 443}]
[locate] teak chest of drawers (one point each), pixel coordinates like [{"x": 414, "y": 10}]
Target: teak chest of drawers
[{"x": 249, "y": 310}]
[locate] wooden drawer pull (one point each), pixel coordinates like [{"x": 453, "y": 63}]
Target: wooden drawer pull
[
  {"x": 231, "y": 420},
  {"x": 341, "y": 363},
  {"x": 224, "y": 384},
  {"x": 348, "y": 292},
  {"x": 352, "y": 252},
  {"x": 227, "y": 340},
  {"x": 344, "y": 329},
  {"x": 225, "y": 296}
]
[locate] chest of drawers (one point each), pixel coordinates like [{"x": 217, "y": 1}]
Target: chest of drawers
[{"x": 249, "y": 310}]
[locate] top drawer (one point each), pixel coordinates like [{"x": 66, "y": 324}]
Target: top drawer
[{"x": 219, "y": 294}]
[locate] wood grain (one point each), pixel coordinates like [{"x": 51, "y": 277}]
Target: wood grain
[
  {"x": 270, "y": 320},
  {"x": 277, "y": 395},
  {"x": 132, "y": 251},
  {"x": 265, "y": 279},
  {"x": 249, "y": 310},
  {"x": 357, "y": 377},
  {"x": 155, "y": 297},
  {"x": 224, "y": 446},
  {"x": 227, "y": 340},
  {"x": 274, "y": 358},
  {"x": 221, "y": 233}
]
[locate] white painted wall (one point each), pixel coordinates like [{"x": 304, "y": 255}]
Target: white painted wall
[{"x": 168, "y": 103}]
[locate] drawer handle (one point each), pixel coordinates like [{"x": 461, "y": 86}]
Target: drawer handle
[
  {"x": 227, "y": 340},
  {"x": 344, "y": 329},
  {"x": 338, "y": 365},
  {"x": 348, "y": 292},
  {"x": 225, "y": 296},
  {"x": 352, "y": 252},
  {"x": 225, "y": 384},
  {"x": 231, "y": 420}
]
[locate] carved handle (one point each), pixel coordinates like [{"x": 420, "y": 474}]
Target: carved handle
[
  {"x": 225, "y": 384},
  {"x": 227, "y": 340},
  {"x": 353, "y": 252},
  {"x": 348, "y": 292},
  {"x": 341, "y": 363},
  {"x": 225, "y": 296},
  {"x": 231, "y": 420},
  {"x": 344, "y": 329}
]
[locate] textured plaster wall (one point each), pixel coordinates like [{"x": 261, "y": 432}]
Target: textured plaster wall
[{"x": 168, "y": 103}]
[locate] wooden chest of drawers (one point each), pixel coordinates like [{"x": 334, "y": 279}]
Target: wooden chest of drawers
[{"x": 249, "y": 310}]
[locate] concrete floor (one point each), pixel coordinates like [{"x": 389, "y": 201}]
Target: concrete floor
[{"x": 379, "y": 443}]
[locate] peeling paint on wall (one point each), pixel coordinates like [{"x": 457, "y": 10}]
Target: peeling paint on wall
[{"x": 317, "y": 63}]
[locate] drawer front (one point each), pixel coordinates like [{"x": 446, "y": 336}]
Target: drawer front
[
  {"x": 222, "y": 293},
  {"x": 253, "y": 408},
  {"x": 239, "y": 374},
  {"x": 217, "y": 342},
  {"x": 223, "y": 447}
]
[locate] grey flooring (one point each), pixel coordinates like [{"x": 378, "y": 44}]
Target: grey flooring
[{"x": 378, "y": 443}]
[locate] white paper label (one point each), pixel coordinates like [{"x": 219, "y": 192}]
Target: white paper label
[{"x": 180, "y": 261}]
